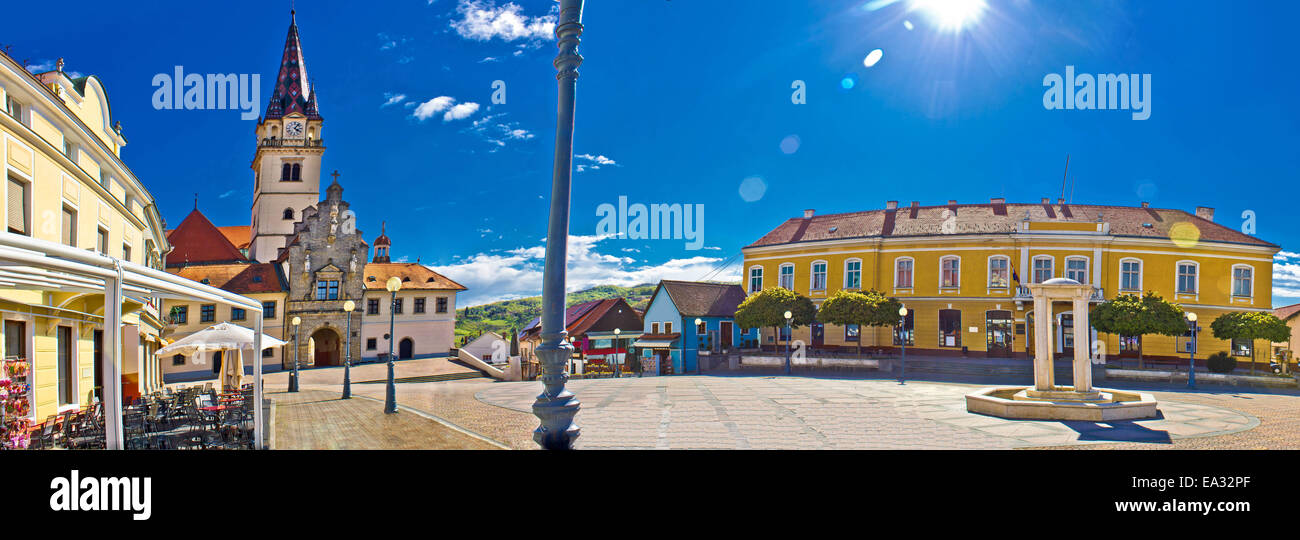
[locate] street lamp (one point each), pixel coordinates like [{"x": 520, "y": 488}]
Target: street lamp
[
  {"x": 347, "y": 355},
  {"x": 902, "y": 341},
  {"x": 1191, "y": 351},
  {"x": 789, "y": 318},
  {"x": 698, "y": 322},
  {"x": 555, "y": 407},
  {"x": 617, "y": 341},
  {"x": 293, "y": 377},
  {"x": 393, "y": 285}
]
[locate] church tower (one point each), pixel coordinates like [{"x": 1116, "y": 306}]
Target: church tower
[
  {"x": 287, "y": 164},
  {"x": 382, "y": 244}
]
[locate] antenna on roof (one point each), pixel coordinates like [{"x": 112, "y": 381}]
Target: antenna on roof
[
  {"x": 196, "y": 201},
  {"x": 1066, "y": 175}
]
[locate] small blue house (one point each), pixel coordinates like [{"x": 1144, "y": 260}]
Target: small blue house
[{"x": 673, "y": 339}]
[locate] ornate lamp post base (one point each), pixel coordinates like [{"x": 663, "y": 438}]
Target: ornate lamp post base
[{"x": 555, "y": 406}]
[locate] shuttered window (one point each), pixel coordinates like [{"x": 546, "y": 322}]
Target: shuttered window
[
  {"x": 16, "y": 203},
  {"x": 69, "y": 227}
]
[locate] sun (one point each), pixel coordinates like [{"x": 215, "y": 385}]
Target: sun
[{"x": 951, "y": 15}]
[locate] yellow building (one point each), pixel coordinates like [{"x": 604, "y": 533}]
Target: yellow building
[
  {"x": 66, "y": 183},
  {"x": 959, "y": 268}
]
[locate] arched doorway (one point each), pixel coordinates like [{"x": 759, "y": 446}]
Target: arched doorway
[
  {"x": 327, "y": 346},
  {"x": 405, "y": 348}
]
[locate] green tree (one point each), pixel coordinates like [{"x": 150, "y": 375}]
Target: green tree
[
  {"x": 1252, "y": 326},
  {"x": 865, "y": 309},
  {"x": 1129, "y": 315},
  {"x": 767, "y": 308}
]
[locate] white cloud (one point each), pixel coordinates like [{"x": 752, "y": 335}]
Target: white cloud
[
  {"x": 393, "y": 99},
  {"x": 226, "y": 194},
  {"x": 460, "y": 111},
  {"x": 518, "y": 272},
  {"x": 599, "y": 160},
  {"x": 483, "y": 20},
  {"x": 434, "y": 106},
  {"x": 489, "y": 59},
  {"x": 1286, "y": 277}
]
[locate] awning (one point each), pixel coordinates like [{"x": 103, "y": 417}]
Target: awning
[{"x": 656, "y": 341}]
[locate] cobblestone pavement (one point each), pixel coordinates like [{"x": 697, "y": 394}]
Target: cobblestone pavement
[
  {"x": 813, "y": 413},
  {"x": 320, "y": 420}
]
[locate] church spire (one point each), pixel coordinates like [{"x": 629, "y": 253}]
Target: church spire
[
  {"x": 382, "y": 244},
  {"x": 292, "y": 91}
]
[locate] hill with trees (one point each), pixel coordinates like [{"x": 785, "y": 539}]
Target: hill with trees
[{"x": 501, "y": 317}]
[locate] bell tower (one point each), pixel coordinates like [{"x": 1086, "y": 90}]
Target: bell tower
[{"x": 287, "y": 163}]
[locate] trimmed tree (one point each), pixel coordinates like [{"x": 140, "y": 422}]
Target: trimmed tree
[
  {"x": 1250, "y": 325},
  {"x": 865, "y": 309},
  {"x": 1129, "y": 315},
  {"x": 767, "y": 308}
]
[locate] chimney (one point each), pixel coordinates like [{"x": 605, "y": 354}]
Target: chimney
[
  {"x": 1046, "y": 200},
  {"x": 952, "y": 202},
  {"x": 998, "y": 200},
  {"x": 808, "y": 214},
  {"x": 1146, "y": 204},
  {"x": 1204, "y": 212},
  {"x": 1060, "y": 200},
  {"x": 916, "y": 204},
  {"x": 891, "y": 205}
]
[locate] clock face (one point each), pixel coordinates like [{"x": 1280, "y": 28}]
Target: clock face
[{"x": 293, "y": 129}]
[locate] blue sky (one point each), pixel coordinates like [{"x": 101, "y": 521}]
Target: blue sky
[{"x": 682, "y": 101}]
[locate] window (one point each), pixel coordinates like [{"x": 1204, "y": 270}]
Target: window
[
  {"x": 654, "y": 328},
  {"x": 371, "y": 344},
  {"x": 419, "y": 305},
  {"x": 1130, "y": 343},
  {"x": 207, "y": 313},
  {"x": 297, "y": 172},
  {"x": 268, "y": 353},
  {"x": 442, "y": 304},
  {"x": 288, "y": 213},
  {"x": 397, "y": 306},
  {"x": 372, "y": 306},
  {"x": 1242, "y": 347},
  {"x": 785, "y": 278},
  {"x": 286, "y": 173},
  {"x": 668, "y": 327},
  {"x": 950, "y": 272},
  {"x": 907, "y": 332},
  {"x": 1241, "y": 281},
  {"x": 1187, "y": 277},
  {"x": 18, "y": 206},
  {"x": 702, "y": 328},
  {"x": 949, "y": 328},
  {"x": 755, "y": 279},
  {"x": 327, "y": 289},
  {"x": 903, "y": 273},
  {"x": 1076, "y": 268},
  {"x": 1130, "y": 275},
  {"x": 67, "y": 366},
  {"x": 178, "y": 360},
  {"x": 818, "y": 276},
  {"x": 1042, "y": 269},
  {"x": 181, "y": 314},
  {"x": 69, "y": 227},
  {"x": 853, "y": 274},
  {"x": 15, "y": 339},
  {"x": 126, "y": 252},
  {"x": 852, "y": 332},
  {"x": 999, "y": 272},
  {"x": 268, "y": 309},
  {"x": 238, "y": 314},
  {"x": 102, "y": 242},
  {"x": 14, "y": 108}
]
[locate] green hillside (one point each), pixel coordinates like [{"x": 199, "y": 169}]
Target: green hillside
[{"x": 507, "y": 314}]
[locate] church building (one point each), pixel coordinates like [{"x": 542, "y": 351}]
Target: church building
[{"x": 303, "y": 256}]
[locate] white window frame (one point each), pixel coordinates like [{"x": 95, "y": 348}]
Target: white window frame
[
  {"x": 812, "y": 275},
  {"x": 749, "y": 279},
  {"x": 1087, "y": 270},
  {"x": 1033, "y": 268},
  {"x": 1233, "y": 292},
  {"x": 957, "y": 281},
  {"x": 1140, "y": 271},
  {"x": 780, "y": 276},
  {"x": 989, "y": 269},
  {"x": 846, "y": 273},
  {"x": 1196, "y": 277},
  {"x": 910, "y": 260}
]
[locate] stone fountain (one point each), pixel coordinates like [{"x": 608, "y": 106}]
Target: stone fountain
[{"x": 1047, "y": 401}]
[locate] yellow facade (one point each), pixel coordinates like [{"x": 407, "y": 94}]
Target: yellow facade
[
  {"x": 1096, "y": 256},
  {"x": 275, "y": 326},
  {"x": 65, "y": 182}
]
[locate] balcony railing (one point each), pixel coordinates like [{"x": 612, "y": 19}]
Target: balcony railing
[
  {"x": 292, "y": 143},
  {"x": 1022, "y": 293}
]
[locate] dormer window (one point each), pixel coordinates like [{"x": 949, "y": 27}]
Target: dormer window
[{"x": 288, "y": 213}]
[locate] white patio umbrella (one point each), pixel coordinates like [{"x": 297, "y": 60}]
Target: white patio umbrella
[{"x": 221, "y": 337}]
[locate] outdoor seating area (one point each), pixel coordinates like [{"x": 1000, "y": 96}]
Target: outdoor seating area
[{"x": 196, "y": 417}]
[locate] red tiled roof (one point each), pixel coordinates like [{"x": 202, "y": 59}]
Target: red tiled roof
[
  {"x": 238, "y": 235},
  {"x": 572, "y": 315},
  {"x": 238, "y": 278},
  {"x": 414, "y": 276},
  {"x": 196, "y": 241},
  {"x": 703, "y": 299},
  {"x": 1286, "y": 312},
  {"x": 993, "y": 219}
]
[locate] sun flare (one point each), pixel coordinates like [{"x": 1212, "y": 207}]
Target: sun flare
[{"x": 951, "y": 15}]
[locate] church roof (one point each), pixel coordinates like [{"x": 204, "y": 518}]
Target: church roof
[
  {"x": 292, "y": 94},
  {"x": 197, "y": 241},
  {"x": 237, "y": 234},
  {"x": 238, "y": 278},
  {"x": 413, "y": 275}
]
